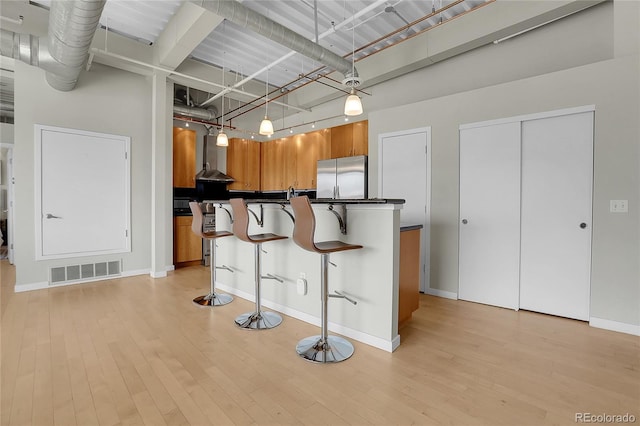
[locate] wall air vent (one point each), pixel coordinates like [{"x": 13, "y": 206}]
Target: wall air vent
[{"x": 84, "y": 272}]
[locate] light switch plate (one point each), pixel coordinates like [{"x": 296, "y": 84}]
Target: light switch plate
[{"x": 619, "y": 206}]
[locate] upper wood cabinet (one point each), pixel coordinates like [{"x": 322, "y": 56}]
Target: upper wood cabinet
[
  {"x": 313, "y": 147},
  {"x": 292, "y": 162},
  {"x": 243, "y": 164},
  {"x": 350, "y": 139},
  {"x": 272, "y": 165},
  {"x": 184, "y": 158}
]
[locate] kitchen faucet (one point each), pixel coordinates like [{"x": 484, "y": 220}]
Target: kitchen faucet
[{"x": 291, "y": 192}]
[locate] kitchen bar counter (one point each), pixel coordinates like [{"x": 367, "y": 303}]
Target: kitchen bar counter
[
  {"x": 317, "y": 201},
  {"x": 369, "y": 275}
]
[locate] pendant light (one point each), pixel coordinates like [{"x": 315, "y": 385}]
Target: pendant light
[
  {"x": 266, "y": 126},
  {"x": 222, "y": 139},
  {"x": 353, "y": 104}
]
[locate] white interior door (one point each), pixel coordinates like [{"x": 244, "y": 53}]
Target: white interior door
[
  {"x": 82, "y": 192},
  {"x": 489, "y": 229},
  {"x": 403, "y": 173},
  {"x": 10, "y": 213},
  {"x": 557, "y": 175}
]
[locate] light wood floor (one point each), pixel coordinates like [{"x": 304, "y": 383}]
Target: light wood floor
[{"x": 137, "y": 351}]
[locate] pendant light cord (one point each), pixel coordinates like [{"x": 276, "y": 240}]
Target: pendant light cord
[{"x": 224, "y": 53}]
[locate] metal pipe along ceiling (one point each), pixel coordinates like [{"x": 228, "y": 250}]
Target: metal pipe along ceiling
[
  {"x": 63, "y": 53},
  {"x": 248, "y": 18}
]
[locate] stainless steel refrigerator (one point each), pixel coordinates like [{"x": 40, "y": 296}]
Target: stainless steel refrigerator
[{"x": 343, "y": 178}]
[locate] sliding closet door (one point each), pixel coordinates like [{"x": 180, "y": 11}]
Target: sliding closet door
[
  {"x": 489, "y": 228},
  {"x": 557, "y": 174}
]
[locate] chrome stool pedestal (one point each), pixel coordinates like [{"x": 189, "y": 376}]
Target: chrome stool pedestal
[
  {"x": 212, "y": 298},
  {"x": 258, "y": 319},
  {"x": 320, "y": 348}
]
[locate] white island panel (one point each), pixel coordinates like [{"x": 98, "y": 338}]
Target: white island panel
[{"x": 368, "y": 275}]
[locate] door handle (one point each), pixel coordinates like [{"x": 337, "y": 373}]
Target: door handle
[
  {"x": 583, "y": 225},
  {"x": 465, "y": 221},
  {"x": 50, "y": 216}
]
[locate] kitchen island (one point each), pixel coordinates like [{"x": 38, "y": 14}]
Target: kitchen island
[{"x": 369, "y": 275}]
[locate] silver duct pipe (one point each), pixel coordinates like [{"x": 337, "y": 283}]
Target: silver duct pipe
[
  {"x": 72, "y": 25},
  {"x": 6, "y": 109},
  {"x": 247, "y": 18},
  {"x": 199, "y": 113},
  {"x": 63, "y": 53}
]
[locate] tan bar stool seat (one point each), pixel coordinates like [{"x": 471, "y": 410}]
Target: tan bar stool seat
[
  {"x": 212, "y": 299},
  {"x": 320, "y": 348},
  {"x": 259, "y": 319}
]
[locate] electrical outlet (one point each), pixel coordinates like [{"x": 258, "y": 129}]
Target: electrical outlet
[
  {"x": 619, "y": 206},
  {"x": 301, "y": 284}
]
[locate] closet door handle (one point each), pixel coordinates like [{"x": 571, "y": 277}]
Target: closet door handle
[
  {"x": 583, "y": 225},
  {"x": 465, "y": 221}
]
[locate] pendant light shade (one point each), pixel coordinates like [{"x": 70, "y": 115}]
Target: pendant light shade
[
  {"x": 222, "y": 139},
  {"x": 353, "y": 104},
  {"x": 266, "y": 127}
]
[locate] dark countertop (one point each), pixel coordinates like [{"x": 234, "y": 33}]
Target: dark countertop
[
  {"x": 320, "y": 201},
  {"x": 409, "y": 227}
]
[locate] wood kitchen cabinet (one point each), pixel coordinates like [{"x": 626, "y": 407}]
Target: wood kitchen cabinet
[
  {"x": 184, "y": 158},
  {"x": 409, "y": 276},
  {"x": 293, "y": 161},
  {"x": 350, "y": 139},
  {"x": 187, "y": 246},
  {"x": 272, "y": 168},
  {"x": 315, "y": 146},
  {"x": 243, "y": 164}
]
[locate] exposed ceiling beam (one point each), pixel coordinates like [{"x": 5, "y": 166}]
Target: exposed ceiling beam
[{"x": 184, "y": 32}]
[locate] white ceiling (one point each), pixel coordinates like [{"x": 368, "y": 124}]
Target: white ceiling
[
  {"x": 365, "y": 26},
  {"x": 389, "y": 37}
]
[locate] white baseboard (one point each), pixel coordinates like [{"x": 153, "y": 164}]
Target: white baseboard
[
  {"x": 442, "y": 293},
  {"x": 45, "y": 284},
  {"x": 376, "y": 342},
  {"x": 615, "y": 326},
  {"x": 30, "y": 287},
  {"x": 158, "y": 274},
  {"x": 134, "y": 272}
]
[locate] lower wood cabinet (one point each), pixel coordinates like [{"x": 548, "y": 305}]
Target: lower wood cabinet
[
  {"x": 409, "y": 280},
  {"x": 187, "y": 246}
]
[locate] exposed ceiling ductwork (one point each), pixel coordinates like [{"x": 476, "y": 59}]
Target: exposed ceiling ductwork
[
  {"x": 247, "y": 18},
  {"x": 63, "y": 53},
  {"x": 209, "y": 114}
]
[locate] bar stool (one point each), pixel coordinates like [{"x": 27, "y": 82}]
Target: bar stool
[
  {"x": 212, "y": 299},
  {"x": 257, "y": 320},
  {"x": 320, "y": 348}
]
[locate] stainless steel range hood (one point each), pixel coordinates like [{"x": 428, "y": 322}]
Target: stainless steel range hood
[{"x": 209, "y": 170}]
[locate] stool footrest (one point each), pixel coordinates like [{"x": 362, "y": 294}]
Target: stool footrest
[
  {"x": 316, "y": 349},
  {"x": 258, "y": 320},
  {"x": 213, "y": 299}
]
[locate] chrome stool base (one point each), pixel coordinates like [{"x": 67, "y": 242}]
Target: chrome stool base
[
  {"x": 258, "y": 320},
  {"x": 334, "y": 349},
  {"x": 213, "y": 299}
]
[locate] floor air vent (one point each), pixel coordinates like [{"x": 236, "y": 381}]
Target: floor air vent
[{"x": 84, "y": 272}]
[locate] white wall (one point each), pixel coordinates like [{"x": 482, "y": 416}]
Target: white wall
[
  {"x": 105, "y": 100},
  {"x": 612, "y": 85}
]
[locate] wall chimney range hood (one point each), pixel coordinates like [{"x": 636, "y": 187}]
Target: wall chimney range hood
[{"x": 209, "y": 171}]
